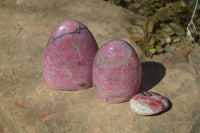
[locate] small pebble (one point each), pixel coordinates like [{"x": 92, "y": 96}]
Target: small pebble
[{"x": 148, "y": 103}]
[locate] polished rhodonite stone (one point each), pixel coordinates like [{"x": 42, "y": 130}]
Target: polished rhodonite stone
[
  {"x": 148, "y": 103},
  {"x": 116, "y": 72},
  {"x": 68, "y": 56}
]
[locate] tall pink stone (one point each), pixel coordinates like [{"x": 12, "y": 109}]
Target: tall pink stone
[
  {"x": 116, "y": 72},
  {"x": 67, "y": 58}
]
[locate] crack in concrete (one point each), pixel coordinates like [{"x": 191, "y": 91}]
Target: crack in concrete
[{"x": 77, "y": 31}]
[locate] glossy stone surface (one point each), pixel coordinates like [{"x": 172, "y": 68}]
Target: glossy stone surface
[
  {"x": 27, "y": 105},
  {"x": 116, "y": 72},
  {"x": 148, "y": 103},
  {"x": 68, "y": 56}
]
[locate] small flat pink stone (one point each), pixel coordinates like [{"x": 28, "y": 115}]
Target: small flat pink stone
[{"x": 148, "y": 103}]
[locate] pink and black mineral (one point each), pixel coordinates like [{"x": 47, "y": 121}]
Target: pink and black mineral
[
  {"x": 148, "y": 103},
  {"x": 68, "y": 56},
  {"x": 116, "y": 72}
]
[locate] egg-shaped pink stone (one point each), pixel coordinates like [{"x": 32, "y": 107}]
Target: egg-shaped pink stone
[
  {"x": 116, "y": 72},
  {"x": 148, "y": 103},
  {"x": 68, "y": 56}
]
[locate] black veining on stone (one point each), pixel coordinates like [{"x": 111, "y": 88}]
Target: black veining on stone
[
  {"x": 77, "y": 31},
  {"x": 143, "y": 94},
  {"x": 95, "y": 86},
  {"x": 162, "y": 97},
  {"x": 82, "y": 84},
  {"x": 162, "y": 106},
  {"x": 107, "y": 99},
  {"x": 149, "y": 94}
]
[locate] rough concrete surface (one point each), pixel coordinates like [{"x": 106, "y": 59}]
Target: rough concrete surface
[{"x": 27, "y": 105}]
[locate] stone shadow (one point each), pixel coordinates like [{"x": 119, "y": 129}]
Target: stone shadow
[{"x": 152, "y": 74}]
